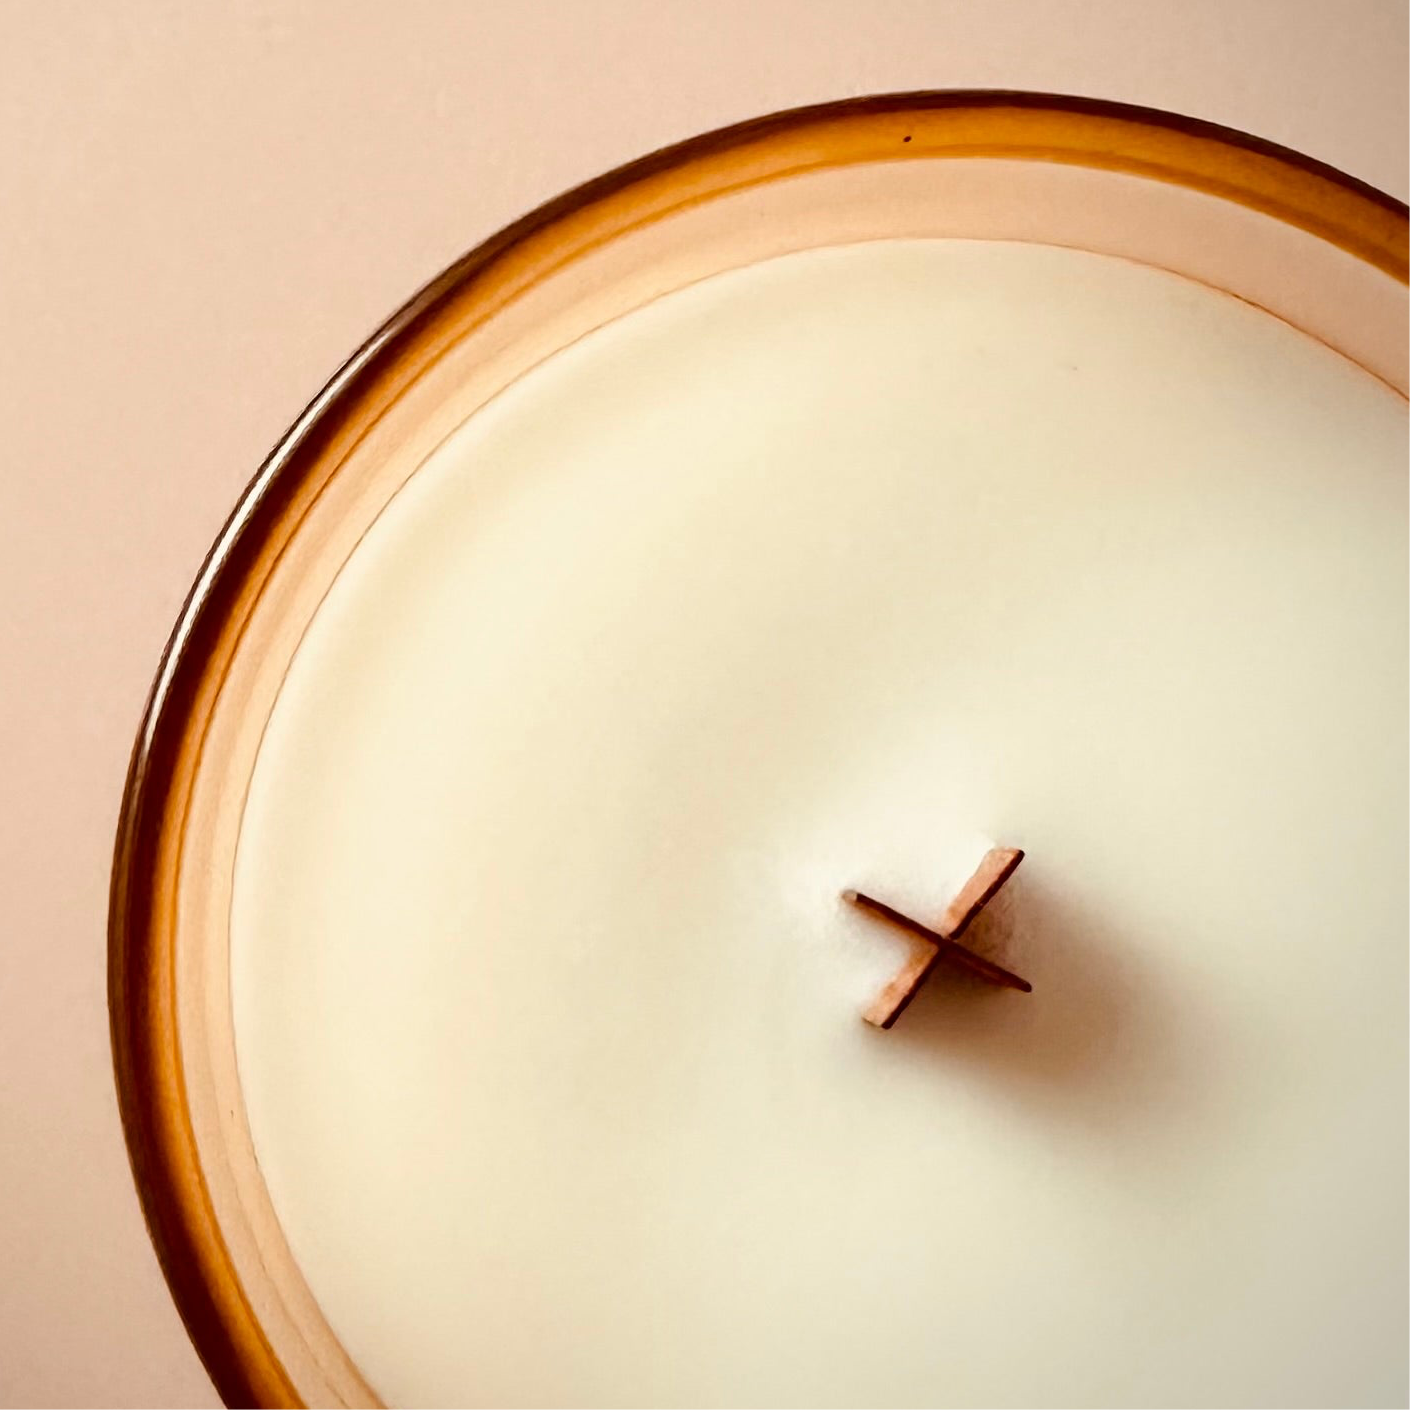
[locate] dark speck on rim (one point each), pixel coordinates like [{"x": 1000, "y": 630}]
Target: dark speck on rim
[{"x": 906, "y": 138}]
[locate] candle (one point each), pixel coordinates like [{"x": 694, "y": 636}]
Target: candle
[{"x": 826, "y": 575}]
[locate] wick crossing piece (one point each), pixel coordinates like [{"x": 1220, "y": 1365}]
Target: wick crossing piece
[{"x": 929, "y": 947}]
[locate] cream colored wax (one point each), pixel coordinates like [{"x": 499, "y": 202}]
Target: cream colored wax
[{"x": 815, "y": 576}]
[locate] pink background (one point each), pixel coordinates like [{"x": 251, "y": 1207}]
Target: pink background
[{"x": 205, "y": 208}]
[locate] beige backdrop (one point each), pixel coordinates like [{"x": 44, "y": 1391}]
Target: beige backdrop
[{"x": 203, "y": 208}]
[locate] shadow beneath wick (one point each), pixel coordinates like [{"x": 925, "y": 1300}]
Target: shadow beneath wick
[{"x": 1095, "y": 1044}]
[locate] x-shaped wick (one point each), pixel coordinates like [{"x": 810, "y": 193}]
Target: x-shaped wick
[{"x": 929, "y": 947}]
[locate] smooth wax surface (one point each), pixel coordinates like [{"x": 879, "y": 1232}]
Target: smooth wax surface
[{"x": 813, "y": 576}]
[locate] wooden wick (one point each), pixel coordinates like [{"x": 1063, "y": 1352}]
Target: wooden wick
[{"x": 998, "y": 864}]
